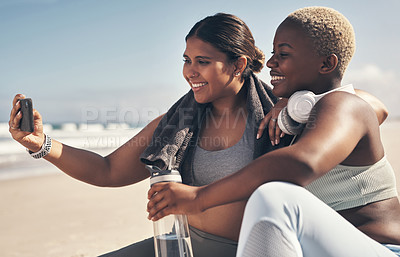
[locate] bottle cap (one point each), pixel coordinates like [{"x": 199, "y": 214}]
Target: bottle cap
[{"x": 158, "y": 175}]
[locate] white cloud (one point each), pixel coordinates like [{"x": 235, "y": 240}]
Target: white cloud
[
  {"x": 383, "y": 84},
  {"x": 370, "y": 74}
]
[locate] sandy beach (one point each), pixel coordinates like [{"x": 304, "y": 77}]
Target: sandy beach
[
  {"x": 57, "y": 216},
  {"x": 54, "y": 215}
]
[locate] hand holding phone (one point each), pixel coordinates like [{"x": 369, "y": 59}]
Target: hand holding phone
[{"x": 27, "y": 115}]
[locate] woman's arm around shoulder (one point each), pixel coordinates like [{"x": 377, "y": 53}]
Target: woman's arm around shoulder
[{"x": 275, "y": 132}]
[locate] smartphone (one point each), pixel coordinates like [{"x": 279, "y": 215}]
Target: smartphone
[{"x": 27, "y": 115}]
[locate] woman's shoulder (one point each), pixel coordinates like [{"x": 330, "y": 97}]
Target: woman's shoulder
[{"x": 344, "y": 104}]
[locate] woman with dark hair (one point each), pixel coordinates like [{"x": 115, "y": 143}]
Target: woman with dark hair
[{"x": 209, "y": 133}]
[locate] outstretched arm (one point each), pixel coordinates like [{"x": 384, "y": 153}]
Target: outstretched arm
[{"x": 122, "y": 167}]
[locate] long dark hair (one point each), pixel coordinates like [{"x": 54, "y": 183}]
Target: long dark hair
[{"x": 231, "y": 36}]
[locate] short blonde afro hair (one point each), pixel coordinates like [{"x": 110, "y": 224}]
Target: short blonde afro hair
[{"x": 330, "y": 32}]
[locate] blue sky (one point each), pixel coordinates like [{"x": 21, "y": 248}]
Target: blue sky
[{"x": 120, "y": 60}]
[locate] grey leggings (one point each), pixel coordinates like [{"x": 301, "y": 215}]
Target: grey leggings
[{"x": 204, "y": 245}]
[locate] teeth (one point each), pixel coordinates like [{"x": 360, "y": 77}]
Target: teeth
[
  {"x": 198, "y": 84},
  {"x": 277, "y": 77}
]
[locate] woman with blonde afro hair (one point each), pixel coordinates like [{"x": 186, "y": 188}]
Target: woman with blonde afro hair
[{"x": 330, "y": 33}]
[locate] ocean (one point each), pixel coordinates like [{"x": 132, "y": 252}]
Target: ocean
[{"x": 15, "y": 162}]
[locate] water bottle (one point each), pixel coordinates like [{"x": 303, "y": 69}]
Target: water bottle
[{"x": 171, "y": 233}]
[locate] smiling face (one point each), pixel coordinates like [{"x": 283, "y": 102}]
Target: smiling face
[
  {"x": 294, "y": 64},
  {"x": 208, "y": 72}
]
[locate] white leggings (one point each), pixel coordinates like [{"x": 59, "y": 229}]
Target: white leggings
[{"x": 283, "y": 219}]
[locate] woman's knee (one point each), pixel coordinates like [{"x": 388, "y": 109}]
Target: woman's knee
[
  {"x": 274, "y": 199},
  {"x": 276, "y": 191}
]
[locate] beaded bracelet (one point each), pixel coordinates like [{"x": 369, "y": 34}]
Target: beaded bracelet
[{"x": 46, "y": 147}]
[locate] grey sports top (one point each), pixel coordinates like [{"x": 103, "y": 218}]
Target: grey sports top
[
  {"x": 346, "y": 187},
  {"x": 210, "y": 166}
]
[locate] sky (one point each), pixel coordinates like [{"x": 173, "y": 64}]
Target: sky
[{"x": 121, "y": 60}]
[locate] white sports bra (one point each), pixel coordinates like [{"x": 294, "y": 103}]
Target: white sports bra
[{"x": 346, "y": 187}]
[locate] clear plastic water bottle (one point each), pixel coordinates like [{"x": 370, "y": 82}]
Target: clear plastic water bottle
[{"x": 171, "y": 233}]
